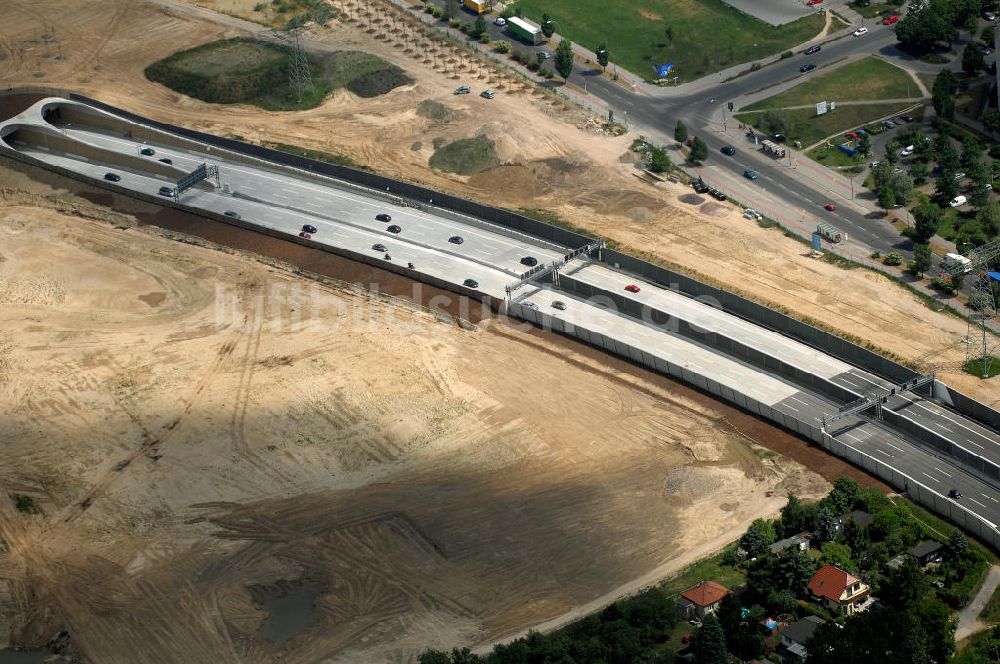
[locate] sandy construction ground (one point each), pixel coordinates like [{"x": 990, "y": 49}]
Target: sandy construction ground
[
  {"x": 201, "y": 432},
  {"x": 198, "y": 430}
]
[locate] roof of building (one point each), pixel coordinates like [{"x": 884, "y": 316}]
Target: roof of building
[
  {"x": 860, "y": 517},
  {"x": 524, "y": 24},
  {"x": 830, "y": 582},
  {"x": 924, "y": 548},
  {"x": 800, "y": 630},
  {"x": 794, "y": 540},
  {"x": 705, "y": 593}
]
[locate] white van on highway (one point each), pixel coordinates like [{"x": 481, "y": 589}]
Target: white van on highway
[{"x": 954, "y": 260}]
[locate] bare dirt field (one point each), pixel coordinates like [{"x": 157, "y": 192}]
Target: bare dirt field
[
  {"x": 192, "y": 425},
  {"x": 199, "y": 431}
]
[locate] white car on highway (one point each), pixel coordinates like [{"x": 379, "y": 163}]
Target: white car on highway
[{"x": 860, "y": 31}]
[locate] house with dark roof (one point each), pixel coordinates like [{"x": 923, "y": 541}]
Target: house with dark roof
[
  {"x": 794, "y": 637},
  {"x": 700, "y": 600},
  {"x": 840, "y": 591},
  {"x": 925, "y": 552},
  {"x": 860, "y": 517},
  {"x": 800, "y": 541}
]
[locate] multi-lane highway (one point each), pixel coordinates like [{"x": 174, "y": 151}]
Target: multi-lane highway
[{"x": 345, "y": 216}]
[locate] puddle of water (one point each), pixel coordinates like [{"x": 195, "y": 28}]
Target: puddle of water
[
  {"x": 23, "y": 656},
  {"x": 291, "y": 608}
]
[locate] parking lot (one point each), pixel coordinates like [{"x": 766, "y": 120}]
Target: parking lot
[{"x": 779, "y": 12}]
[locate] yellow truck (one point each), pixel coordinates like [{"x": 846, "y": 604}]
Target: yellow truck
[{"x": 478, "y": 6}]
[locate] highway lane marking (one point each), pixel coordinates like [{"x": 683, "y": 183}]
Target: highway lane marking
[
  {"x": 977, "y": 502},
  {"x": 938, "y": 412},
  {"x": 931, "y": 477},
  {"x": 941, "y": 471},
  {"x": 884, "y": 453},
  {"x": 895, "y": 447},
  {"x": 361, "y": 199},
  {"x": 990, "y": 497}
]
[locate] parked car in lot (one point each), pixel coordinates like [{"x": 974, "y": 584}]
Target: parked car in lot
[
  {"x": 889, "y": 20},
  {"x": 463, "y": 90},
  {"x": 500, "y": 21},
  {"x": 560, "y": 305},
  {"x": 456, "y": 239},
  {"x": 728, "y": 150},
  {"x": 750, "y": 175},
  {"x": 167, "y": 191},
  {"x": 907, "y": 118},
  {"x": 808, "y": 67},
  {"x": 379, "y": 247},
  {"x": 958, "y": 201},
  {"x": 989, "y": 16},
  {"x": 906, "y": 152},
  {"x": 700, "y": 186},
  {"x": 888, "y": 124},
  {"x": 232, "y": 213},
  {"x": 149, "y": 152},
  {"x": 717, "y": 195},
  {"x": 383, "y": 217},
  {"x": 487, "y": 94},
  {"x": 812, "y": 49},
  {"x": 471, "y": 283},
  {"x": 861, "y": 31},
  {"x": 530, "y": 261},
  {"x": 394, "y": 229},
  {"x": 899, "y": 119},
  {"x": 750, "y": 213},
  {"x": 632, "y": 288},
  {"x": 309, "y": 228},
  {"x": 815, "y": 2},
  {"x": 831, "y": 207},
  {"x": 112, "y": 177}
]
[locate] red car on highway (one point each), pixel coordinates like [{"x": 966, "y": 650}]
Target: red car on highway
[
  {"x": 632, "y": 288},
  {"x": 831, "y": 207},
  {"x": 889, "y": 20}
]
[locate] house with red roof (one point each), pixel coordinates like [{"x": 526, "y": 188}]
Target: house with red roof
[
  {"x": 700, "y": 600},
  {"x": 839, "y": 590}
]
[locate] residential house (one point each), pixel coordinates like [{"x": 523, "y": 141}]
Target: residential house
[
  {"x": 925, "y": 552},
  {"x": 801, "y": 541},
  {"x": 700, "y": 600},
  {"x": 838, "y": 590},
  {"x": 794, "y": 637},
  {"x": 860, "y": 517}
]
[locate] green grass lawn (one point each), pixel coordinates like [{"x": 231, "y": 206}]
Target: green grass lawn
[
  {"x": 868, "y": 79},
  {"x": 708, "y": 35},
  {"x": 810, "y": 128},
  {"x": 706, "y": 569}
]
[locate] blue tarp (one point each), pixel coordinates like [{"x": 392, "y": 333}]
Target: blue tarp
[
  {"x": 846, "y": 148},
  {"x": 662, "y": 71},
  {"x": 994, "y": 276}
]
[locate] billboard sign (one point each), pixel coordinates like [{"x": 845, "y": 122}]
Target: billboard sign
[
  {"x": 821, "y": 108},
  {"x": 817, "y": 241}
]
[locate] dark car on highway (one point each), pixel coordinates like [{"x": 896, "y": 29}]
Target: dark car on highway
[
  {"x": 812, "y": 49},
  {"x": 166, "y": 160},
  {"x": 149, "y": 152},
  {"x": 808, "y": 67},
  {"x": 232, "y": 213},
  {"x": 456, "y": 239},
  {"x": 728, "y": 150},
  {"x": 471, "y": 283},
  {"x": 530, "y": 261},
  {"x": 379, "y": 247},
  {"x": 166, "y": 191},
  {"x": 309, "y": 228},
  {"x": 112, "y": 177},
  {"x": 394, "y": 229},
  {"x": 955, "y": 494},
  {"x": 383, "y": 217}
]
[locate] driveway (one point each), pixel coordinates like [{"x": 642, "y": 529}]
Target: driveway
[{"x": 968, "y": 620}]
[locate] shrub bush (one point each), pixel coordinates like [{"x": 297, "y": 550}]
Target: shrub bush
[
  {"x": 501, "y": 46},
  {"x": 786, "y": 55},
  {"x": 893, "y": 258}
]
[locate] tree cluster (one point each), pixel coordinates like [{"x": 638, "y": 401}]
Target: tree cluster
[{"x": 926, "y": 27}]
